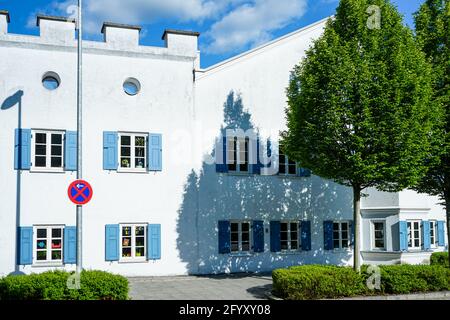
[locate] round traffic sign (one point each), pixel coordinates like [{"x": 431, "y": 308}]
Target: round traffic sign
[{"x": 80, "y": 192}]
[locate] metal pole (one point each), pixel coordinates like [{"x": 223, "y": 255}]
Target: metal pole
[{"x": 79, "y": 131}]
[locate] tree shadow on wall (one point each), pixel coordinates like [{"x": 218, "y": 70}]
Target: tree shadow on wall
[{"x": 210, "y": 196}]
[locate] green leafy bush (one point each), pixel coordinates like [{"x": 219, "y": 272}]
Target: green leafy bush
[
  {"x": 52, "y": 285},
  {"x": 318, "y": 282},
  {"x": 439, "y": 259}
]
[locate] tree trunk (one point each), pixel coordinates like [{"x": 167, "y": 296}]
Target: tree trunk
[{"x": 356, "y": 226}]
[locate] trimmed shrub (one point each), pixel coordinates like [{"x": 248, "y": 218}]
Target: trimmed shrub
[
  {"x": 52, "y": 285},
  {"x": 318, "y": 282},
  {"x": 439, "y": 259}
]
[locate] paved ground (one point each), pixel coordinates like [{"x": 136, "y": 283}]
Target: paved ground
[{"x": 221, "y": 287}]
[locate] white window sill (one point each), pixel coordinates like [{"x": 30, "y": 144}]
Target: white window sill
[
  {"x": 44, "y": 170},
  {"x": 144, "y": 260},
  {"x": 132, "y": 171},
  {"x": 47, "y": 264},
  {"x": 241, "y": 254}
]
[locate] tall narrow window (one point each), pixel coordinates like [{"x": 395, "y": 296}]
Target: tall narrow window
[
  {"x": 48, "y": 151},
  {"x": 378, "y": 235},
  {"x": 286, "y": 166},
  {"x": 48, "y": 244},
  {"x": 237, "y": 154},
  {"x": 433, "y": 229},
  {"x": 240, "y": 236},
  {"x": 133, "y": 242},
  {"x": 289, "y": 235},
  {"x": 133, "y": 151},
  {"x": 341, "y": 233},
  {"x": 414, "y": 234}
]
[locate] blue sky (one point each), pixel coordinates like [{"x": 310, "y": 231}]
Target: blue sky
[{"x": 228, "y": 27}]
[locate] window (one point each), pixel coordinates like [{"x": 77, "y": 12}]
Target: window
[
  {"x": 341, "y": 233},
  {"x": 414, "y": 234},
  {"x": 131, "y": 86},
  {"x": 133, "y": 151},
  {"x": 237, "y": 154},
  {"x": 133, "y": 242},
  {"x": 240, "y": 236},
  {"x": 48, "y": 150},
  {"x": 48, "y": 244},
  {"x": 433, "y": 230},
  {"x": 286, "y": 166},
  {"x": 51, "y": 81},
  {"x": 289, "y": 236},
  {"x": 378, "y": 235}
]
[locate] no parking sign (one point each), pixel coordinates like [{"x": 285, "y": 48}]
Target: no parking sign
[{"x": 80, "y": 192}]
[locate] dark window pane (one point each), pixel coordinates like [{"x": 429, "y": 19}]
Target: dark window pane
[
  {"x": 140, "y": 241},
  {"x": 245, "y": 236},
  {"x": 126, "y": 252},
  {"x": 41, "y": 255},
  {"x": 283, "y": 226},
  {"x": 56, "y": 139},
  {"x": 56, "y": 244},
  {"x": 246, "y": 246},
  {"x": 234, "y": 247},
  {"x": 139, "y": 141},
  {"x": 56, "y": 162},
  {"x": 294, "y": 235},
  {"x": 344, "y": 226},
  {"x": 125, "y": 162},
  {"x": 243, "y": 167},
  {"x": 284, "y": 245},
  {"x": 125, "y": 151},
  {"x": 292, "y": 169},
  {"x": 336, "y": 243},
  {"x": 40, "y": 162},
  {"x": 294, "y": 245},
  {"x": 139, "y": 152},
  {"x": 379, "y": 244},
  {"x": 335, "y": 235},
  {"x": 416, "y": 243},
  {"x": 232, "y": 167},
  {"x": 140, "y": 252},
  {"x": 139, "y": 163},
  {"x": 140, "y": 231},
  {"x": 42, "y": 233},
  {"x": 283, "y": 236},
  {"x": 41, "y": 138},
  {"x": 56, "y": 233},
  {"x": 126, "y": 242},
  {"x": 294, "y": 226},
  {"x": 335, "y": 226},
  {"x": 125, "y": 140},
  {"x": 282, "y": 169},
  {"x": 234, "y": 227},
  {"x": 234, "y": 236},
  {"x": 56, "y": 150},
  {"x": 41, "y": 150},
  {"x": 41, "y": 244},
  {"x": 344, "y": 244},
  {"x": 245, "y": 227},
  {"x": 56, "y": 254},
  {"x": 344, "y": 235}
]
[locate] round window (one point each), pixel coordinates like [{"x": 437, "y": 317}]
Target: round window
[
  {"x": 51, "y": 81},
  {"x": 131, "y": 86}
]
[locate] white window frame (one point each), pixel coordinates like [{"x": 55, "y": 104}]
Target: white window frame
[
  {"x": 48, "y": 156},
  {"x": 286, "y": 165},
  {"x": 240, "y": 249},
  {"x": 372, "y": 233},
  {"x": 133, "y": 257},
  {"x": 289, "y": 238},
  {"x": 433, "y": 234},
  {"x": 410, "y": 234},
  {"x": 340, "y": 238},
  {"x": 236, "y": 141},
  {"x": 132, "y": 156},
  {"x": 48, "y": 261}
]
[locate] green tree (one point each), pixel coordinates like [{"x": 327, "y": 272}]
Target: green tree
[
  {"x": 358, "y": 104},
  {"x": 433, "y": 36}
]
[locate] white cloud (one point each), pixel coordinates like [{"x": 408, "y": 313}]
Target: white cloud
[
  {"x": 252, "y": 24},
  {"x": 236, "y": 24}
]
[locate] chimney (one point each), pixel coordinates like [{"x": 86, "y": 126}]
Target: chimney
[
  {"x": 4, "y": 20},
  {"x": 121, "y": 36},
  {"x": 181, "y": 42},
  {"x": 57, "y": 30}
]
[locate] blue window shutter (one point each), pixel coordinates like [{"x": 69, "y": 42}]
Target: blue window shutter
[
  {"x": 70, "y": 151},
  {"x": 275, "y": 236},
  {"x": 224, "y": 237},
  {"x": 154, "y": 150},
  {"x": 154, "y": 241},
  {"x": 328, "y": 235},
  {"x": 403, "y": 235},
  {"x": 25, "y": 245},
  {"x": 22, "y": 149},
  {"x": 112, "y": 242},
  {"x": 441, "y": 233},
  {"x": 303, "y": 172},
  {"x": 256, "y": 167},
  {"x": 221, "y": 165},
  {"x": 426, "y": 235},
  {"x": 258, "y": 236},
  {"x": 70, "y": 245},
  {"x": 110, "y": 151},
  {"x": 306, "y": 235}
]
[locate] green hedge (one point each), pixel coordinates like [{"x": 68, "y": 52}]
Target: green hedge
[
  {"x": 439, "y": 259},
  {"x": 52, "y": 285},
  {"x": 319, "y": 282}
]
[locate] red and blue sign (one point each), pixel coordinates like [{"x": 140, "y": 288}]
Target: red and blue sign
[{"x": 80, "y": 192}]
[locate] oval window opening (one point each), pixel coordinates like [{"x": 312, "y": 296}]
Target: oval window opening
[
  {"x": 50, "y": 81},
  {"x": 131, "y": 87}
]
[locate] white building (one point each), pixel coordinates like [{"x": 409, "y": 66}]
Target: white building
[{"x": 160, "y": 205}]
